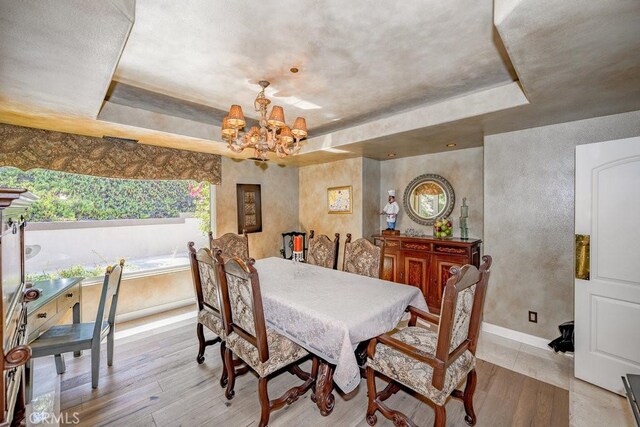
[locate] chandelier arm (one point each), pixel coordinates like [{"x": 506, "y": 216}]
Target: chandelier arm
[
  {"x": 279, "y": 152},
  {"x": 297, "y": 145},
  {"x": 287, "y": 150},
  {"x": 272, "y": 139},
  {"x": 235, "y": 148}
]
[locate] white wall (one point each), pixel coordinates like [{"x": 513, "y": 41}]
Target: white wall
[{"x": 65, "y": 247}]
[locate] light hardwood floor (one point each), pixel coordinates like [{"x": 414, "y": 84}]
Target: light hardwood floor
[{"x": 155, "y": 380}]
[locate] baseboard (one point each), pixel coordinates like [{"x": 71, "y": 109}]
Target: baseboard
[
  {"x": 150, "y": 311},
  {"x": 521, "y": 337}
]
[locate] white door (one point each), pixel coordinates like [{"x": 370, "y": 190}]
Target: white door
[{"x": 607, "y": 306}]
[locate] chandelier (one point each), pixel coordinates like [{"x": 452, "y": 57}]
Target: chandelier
[{"x": 273, "y": 135}]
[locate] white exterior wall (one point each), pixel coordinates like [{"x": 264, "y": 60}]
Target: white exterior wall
[{"x": 63, "y": 246}]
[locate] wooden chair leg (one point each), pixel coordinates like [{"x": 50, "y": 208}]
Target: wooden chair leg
[
  {"x": 95, "y": 363},
  {"x": 315, "y": 363},
  {"x": 110, "y": 344},
  {"x": 371, "y": 393},
  {"x": 201, "y": 343},
  {"x": 265, "y": 405},
  {"x": 469, "y": 389},
  {"x": 60, "y": 366},
  {"x": 224, "y": 378},
  {"x": 441, "y": 416},
  {"x": 231, "y": 373},
  {"x": 28, "y": 380}
]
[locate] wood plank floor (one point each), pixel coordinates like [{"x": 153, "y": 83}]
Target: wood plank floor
[{"x": 155, "y": 381}]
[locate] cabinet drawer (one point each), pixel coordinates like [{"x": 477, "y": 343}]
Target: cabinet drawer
[
  {"x": 416, "y": 246},
  {"x": 451, "y": 250},
  {"x": 69, "y": 298},
  {"x": 43, "y": 315},
  {"x": 12, "y": 326},
  {"x": 392, "y": 243}
]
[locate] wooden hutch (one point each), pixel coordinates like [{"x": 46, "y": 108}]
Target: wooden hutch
[
  {"x": 13, "y": 329},
  {"x": 424, "y": 262}
]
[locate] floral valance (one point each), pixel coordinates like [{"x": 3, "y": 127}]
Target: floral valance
[{"x": 27, "y": 148}]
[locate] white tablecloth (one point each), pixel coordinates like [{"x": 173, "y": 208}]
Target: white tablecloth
[{"x": 329, "y": 312}]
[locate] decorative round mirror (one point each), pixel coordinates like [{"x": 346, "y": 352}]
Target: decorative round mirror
[{"x": 428, "y": 197}]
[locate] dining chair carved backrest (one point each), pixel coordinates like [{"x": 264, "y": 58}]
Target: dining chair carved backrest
[
  {"x": 245, "y": 312},
  {"x": 262, "y": 349},
  {"x": 362, "y": 257},
  {"x": 430, "y": 363},
  {"x": 205, "y": 279},
  {"x": 208, "y": 297},
  {"x": 322, "y": 251},
  {"x": 76, "y": 337},
  {"x": 231, "y": 244}
]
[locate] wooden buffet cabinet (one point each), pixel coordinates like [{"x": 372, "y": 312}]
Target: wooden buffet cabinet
[
  {"x": 13, "y": 329},
  {"x": 425, "y": 262}
]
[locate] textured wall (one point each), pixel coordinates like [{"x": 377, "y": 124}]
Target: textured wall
[
  {"x": 462, "y": 168},
  {"x": 370, "y": 197},
  {"x": 279, "y": 202},
  {"x": 314, "y": 181},
  {"x": 529, "y": 226}
]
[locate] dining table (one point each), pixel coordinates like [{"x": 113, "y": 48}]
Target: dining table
[{"x": 330, "y": 313}]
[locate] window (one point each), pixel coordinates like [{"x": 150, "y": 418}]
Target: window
[{"x": 80, "y": 224}]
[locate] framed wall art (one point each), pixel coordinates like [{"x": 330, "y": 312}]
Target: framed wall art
[
  {"x": 249, "y": 208},
  {"x": 339, "y": 200}
]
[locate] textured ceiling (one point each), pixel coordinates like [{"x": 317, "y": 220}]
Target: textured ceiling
[
  {"x": 135, "y": 97},
  {"x": 356, "y": 61},
  {"x": 61, "y": 55},
  {"x": 375, "y": 78}
]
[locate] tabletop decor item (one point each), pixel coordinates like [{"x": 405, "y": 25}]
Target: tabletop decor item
[
  {"x": 391, "y": 210},
  {"x": 412, "y": 232},
  {"x": 464, "y": 219},
  {"x": 298, "y": 255},
  {"x": 339, "y": 200},
  {"x": 443, "y": 228}
]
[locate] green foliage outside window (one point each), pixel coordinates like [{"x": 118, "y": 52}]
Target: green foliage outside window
[
  {"x": 201, "y": 194},
  {"x": 72, "y": 197}
]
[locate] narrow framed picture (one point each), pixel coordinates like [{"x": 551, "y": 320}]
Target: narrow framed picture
[
  {"x": 249, "y": 208},
  {"x": 339, "y": 200}
]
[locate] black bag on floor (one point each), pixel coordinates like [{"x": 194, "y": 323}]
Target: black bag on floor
[{"x": 564, "y": 342}]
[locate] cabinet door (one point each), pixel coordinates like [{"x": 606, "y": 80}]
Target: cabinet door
[
  {"x": 441, "y": 265},
  {"x": 416, "y": 270},
  {"x": 390, "y": 266}
]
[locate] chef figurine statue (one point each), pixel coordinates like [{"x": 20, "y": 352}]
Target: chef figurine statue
[{"x": 391, "y": 210}]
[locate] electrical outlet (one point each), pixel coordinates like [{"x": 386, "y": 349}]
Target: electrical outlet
[{"x": 533, "y": 316}]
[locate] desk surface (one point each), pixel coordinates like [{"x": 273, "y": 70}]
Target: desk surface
[{"x": 49, "y": 290}]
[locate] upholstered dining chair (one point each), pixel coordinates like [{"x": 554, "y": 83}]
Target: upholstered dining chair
[
  {"x": 433, "y": 364},
  {"x": 231, "y": 244},
  {"x": 82, "y": 336},
  {"x": 264, "y": 350},
  {"x": 362, "y": 257},
  {"x": 322, "y": 251},
  {"x": 207, "y": 288}
]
